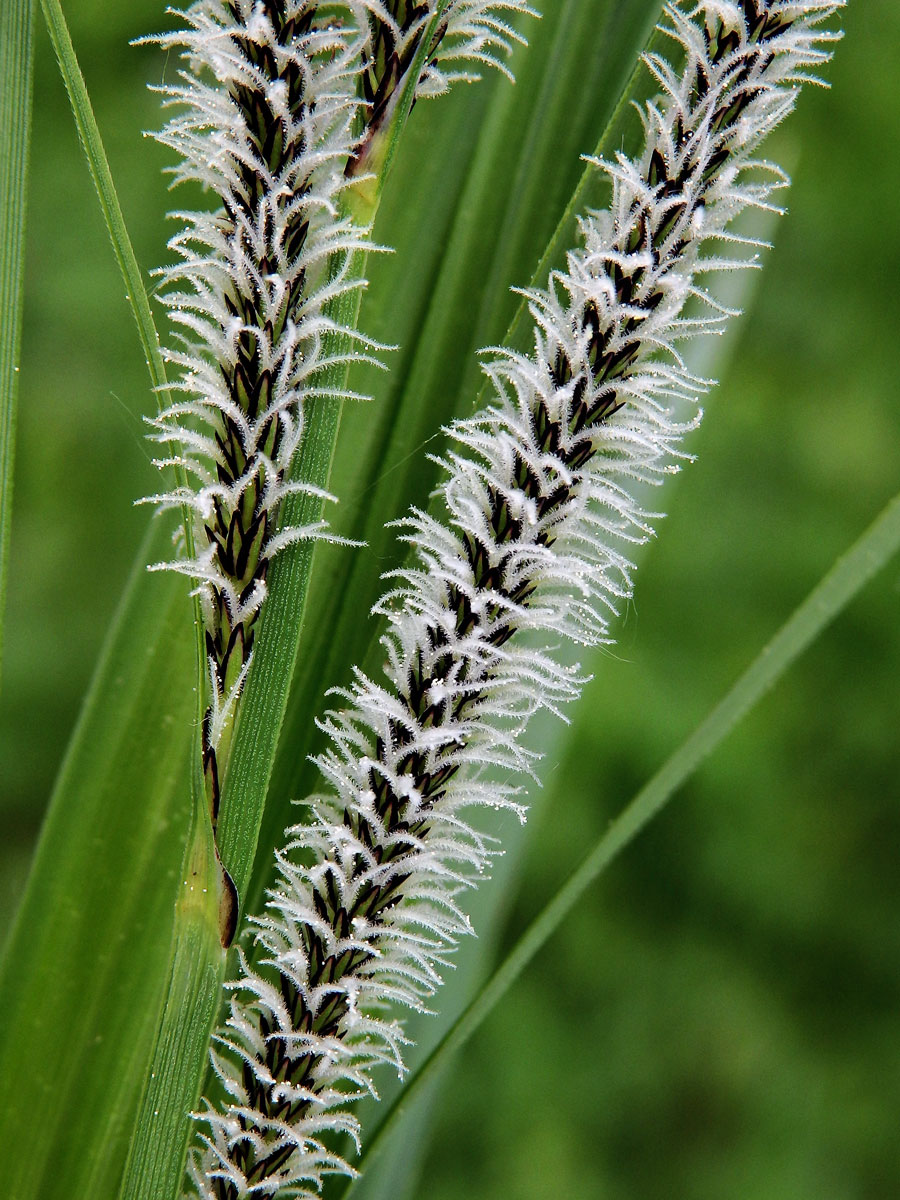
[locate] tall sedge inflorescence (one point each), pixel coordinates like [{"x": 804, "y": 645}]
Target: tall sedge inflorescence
[
  {"x": 273, "y": 106},
  {"x": 540, "y": 514},
  {"x": 266, "y": 119}
]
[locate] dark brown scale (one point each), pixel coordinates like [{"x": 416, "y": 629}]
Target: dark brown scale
[
  {"x": 383, "y": 65},
  {"x": 575, "y": 448}
]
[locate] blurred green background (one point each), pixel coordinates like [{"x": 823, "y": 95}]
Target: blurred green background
[{"x": 721, "y": 1017}]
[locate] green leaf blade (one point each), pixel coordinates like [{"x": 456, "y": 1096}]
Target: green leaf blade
[
  {"x": 16, "y": 55},
  {"x": 82, "y": 976},
  {"x": 159, "y": 1144}
]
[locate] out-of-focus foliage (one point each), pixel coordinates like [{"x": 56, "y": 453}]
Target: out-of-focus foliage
[{"x": 721, "y": 1019}]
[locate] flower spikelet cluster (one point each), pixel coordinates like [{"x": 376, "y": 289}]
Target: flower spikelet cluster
[
  {"x": 479, "y": 32},
  {"x": 265, "y": 109},
  {"x": 540, "y": 518},
  {"x": 472, "y": 31}
]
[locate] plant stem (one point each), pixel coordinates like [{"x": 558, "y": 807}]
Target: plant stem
[{"x": 155, "y": 1165}]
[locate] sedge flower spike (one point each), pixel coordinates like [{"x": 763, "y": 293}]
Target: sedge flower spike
[
  {"x": 266, "y": 107},
  {"x": 273, "y": 106},
  {"x": 541, "y": 515}
]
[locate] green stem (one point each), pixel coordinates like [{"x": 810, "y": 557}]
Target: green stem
[
  {"x": 265, "y": 695},
  {"x": 849, "y": 575},
  {"x": 16, "y": 25},
  {"x": 155, "y": 1166}
]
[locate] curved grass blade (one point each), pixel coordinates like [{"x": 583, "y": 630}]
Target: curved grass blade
[
  {"x": 16, "y": 53},
  {"x": 92, "y": 143},
  {"x": 81, "y": 981},
  {"x": 847, "y": 577}
]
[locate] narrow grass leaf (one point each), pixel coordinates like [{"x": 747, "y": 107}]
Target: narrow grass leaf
[
  {"x": 16, "y": 54},
  {"x": 92, "y": 143},
  {"x": 136, "y": 295},
  {"x": 86, "y": 962}
]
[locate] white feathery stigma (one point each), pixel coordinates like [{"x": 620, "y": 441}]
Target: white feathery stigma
[
  {"x": 477, "y": 34},
  {"x": 539, "y": 522}
]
